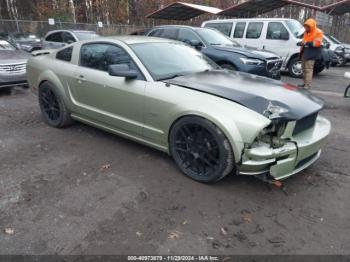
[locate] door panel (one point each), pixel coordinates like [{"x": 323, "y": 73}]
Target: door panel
[
  {"x": 275, "y": 39},
  {"x": 253, "y": 35},
  {"x": 111, "y": 100}
]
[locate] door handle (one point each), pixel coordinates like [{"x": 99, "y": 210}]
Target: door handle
[{"x": 80, "y": 78}]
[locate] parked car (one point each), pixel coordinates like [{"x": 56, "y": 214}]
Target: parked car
[
  {"x": 12, "y": 65},
  {"x": 60, "y": 38},
  {"x": 4, "y": 35},
  {"x": 167, "y": 95},
  {"x": 341, "y": 52},
  {"x": 222, "y": 50},
  {"x": 279, "y": 35},
  {"x": 347, "y": 90},
  {"x": 26, "y": 41},
  {"x": 141, "y": 32}
]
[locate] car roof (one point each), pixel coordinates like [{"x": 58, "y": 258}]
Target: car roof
[
  {"x": 131, "y": 39},
  {"x": 247, "y": 19},
  {"x": 71, "y": 30},
  {"x": 182, "y": 26}
]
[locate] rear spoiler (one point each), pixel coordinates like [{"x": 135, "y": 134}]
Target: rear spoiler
[{"x": 43, "y": 52}]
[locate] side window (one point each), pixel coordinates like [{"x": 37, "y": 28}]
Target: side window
[
  {"x": 68, "y": 37},
  {"x": 99, "y": 56},
  {"x": 276, "y": 31},
  {"x": 187, "y": 36},
  {"x": 239, "y": 30},
  {"x": 156, "y": 33},
  {"x": 254, "y": 30},
  {"x": 55, "y": 37},
  {"x": 224, "y": 28},
  {"x": 170, "y": 33},
  {"x": 65, "y": 54}
]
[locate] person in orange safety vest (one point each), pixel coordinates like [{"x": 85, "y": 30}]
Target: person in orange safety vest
[{"x": 311, "y": 50}]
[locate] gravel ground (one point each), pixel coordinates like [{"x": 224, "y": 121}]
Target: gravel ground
[{"x": 80, "y": 190}]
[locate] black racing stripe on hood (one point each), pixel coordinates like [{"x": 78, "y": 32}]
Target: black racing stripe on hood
[{"x": 253, "y": 92}]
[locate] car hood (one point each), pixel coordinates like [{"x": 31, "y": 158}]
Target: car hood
[
  {"x": 248, "y": 52},
  {"x": 13, "y": 56},
  {"x": 29, "y": 42},
  {"x": 346, "y": 45},
  {"x": 256, "y": 93}
]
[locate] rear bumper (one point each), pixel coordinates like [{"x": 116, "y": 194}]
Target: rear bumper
[{"x": 303, "y": 150}]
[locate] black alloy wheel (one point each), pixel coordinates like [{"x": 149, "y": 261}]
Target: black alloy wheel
[
  {"x": 52, "y": 107},
  {"x": 201, "y": 150}
]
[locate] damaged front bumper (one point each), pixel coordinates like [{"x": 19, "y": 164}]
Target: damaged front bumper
[{"x": 297, "y": 154}]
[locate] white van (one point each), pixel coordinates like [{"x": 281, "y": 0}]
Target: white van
[{"x": 278, "y": 35}]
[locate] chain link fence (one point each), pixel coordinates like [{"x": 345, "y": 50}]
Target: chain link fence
[{"x": 42, "y": 27}]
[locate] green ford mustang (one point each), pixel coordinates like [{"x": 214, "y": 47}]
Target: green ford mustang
[{"x": 166, "y": 95}]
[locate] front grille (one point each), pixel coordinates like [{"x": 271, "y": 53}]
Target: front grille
[
  {"x": 274, "y": 65},
  {"x": 305, "y": 160},
  {"x": 305, "y": 123},
  {"x": 15, "y": 68}
]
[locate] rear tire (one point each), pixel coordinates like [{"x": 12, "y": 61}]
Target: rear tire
[
  {"x": 201, "y": 150},
  {"x": 53, "y": 109},
  {"x": 318, "y": 69}
]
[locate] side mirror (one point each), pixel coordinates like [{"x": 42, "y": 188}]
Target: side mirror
[
  {"x": 70, "y": 42},
  {"x": 122, "y": 70},
  {"x": 196, "y": 44},
  {"x": 327, "y": 45}
]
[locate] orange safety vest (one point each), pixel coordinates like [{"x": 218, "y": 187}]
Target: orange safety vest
[{"x": 315, "y": 35}]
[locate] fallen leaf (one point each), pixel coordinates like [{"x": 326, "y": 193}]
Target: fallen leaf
[
  {"x": 247, "y": 217},
  {"x": 139, "y": 234},
  {"x": 105, "y": 167},
  {"x": 223, "y": 231},
  {"x": 9, "y": 231},
  {"x": 174, "y": 235}
]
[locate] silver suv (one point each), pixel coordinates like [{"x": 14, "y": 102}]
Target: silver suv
[
  {"x": 60, "y": 38},
  {"x": 12, "y": 65}
]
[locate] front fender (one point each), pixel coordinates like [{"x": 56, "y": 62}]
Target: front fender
[{"x": 239, "y": 124}]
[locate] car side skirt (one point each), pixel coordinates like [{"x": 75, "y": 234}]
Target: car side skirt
[{"x": 119, "y": 133}]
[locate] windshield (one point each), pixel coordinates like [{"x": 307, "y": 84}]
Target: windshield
[
  {"x": 86, "y": 35},
  {"x": 168, "y": 60},
  {"x": 333, "y": 39},
  {"x": 25, "y": 36},
  {"x": 213, "y": 37},
  {"x": 296, "y": 28},
  {"x": 4, "y": 45}
]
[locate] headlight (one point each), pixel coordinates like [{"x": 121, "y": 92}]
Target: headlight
[
  {"x": 274, "y": 111},
  {"x": 251, "y": 61},
  {"x": 339, "y": 49},
  {"x": 26, "y": 47}
]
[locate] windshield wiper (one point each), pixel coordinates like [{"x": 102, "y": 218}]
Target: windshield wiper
[{"x": 169, "y": 77}]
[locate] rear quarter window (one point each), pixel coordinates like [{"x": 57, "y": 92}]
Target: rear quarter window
[
  {"x": 224, "y": 28},
  {"x": 55, "y": 37},
  {"x": 65, "y": 54}
]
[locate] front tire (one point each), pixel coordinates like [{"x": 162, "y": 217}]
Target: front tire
[
  {"x": 201, "y": 150},
  {"x": 53, "y": 109},
  {"x": 295, "y": 68}
]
